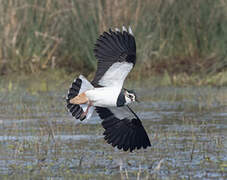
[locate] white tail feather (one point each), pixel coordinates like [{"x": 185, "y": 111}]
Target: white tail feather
[{"x": 86, "y": 85}]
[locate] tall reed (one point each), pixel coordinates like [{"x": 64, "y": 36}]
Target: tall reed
[{"x": 171, "y": 35}]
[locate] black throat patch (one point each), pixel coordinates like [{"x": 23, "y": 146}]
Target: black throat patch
[{"x": 121, "y": 99}]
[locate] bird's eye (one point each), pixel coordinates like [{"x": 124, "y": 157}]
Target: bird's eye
[{"x": 130, "y": 96}]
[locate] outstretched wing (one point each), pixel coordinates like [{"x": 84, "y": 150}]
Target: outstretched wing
[
  {"x": 126, "y": 134},
  {"x": 116, "y": 54}
]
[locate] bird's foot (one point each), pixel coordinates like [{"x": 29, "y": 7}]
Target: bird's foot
[{"x": 83, "y": 116}]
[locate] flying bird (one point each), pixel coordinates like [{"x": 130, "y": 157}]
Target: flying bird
[{"x": 116, "y": 55}]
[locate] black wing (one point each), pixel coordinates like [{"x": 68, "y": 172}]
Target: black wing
[
  {"x": 126, "y": 134},
  {"x": 116, "y": 54}
]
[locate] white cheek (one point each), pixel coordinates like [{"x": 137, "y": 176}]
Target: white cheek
[{"x": 128, "y": 100}]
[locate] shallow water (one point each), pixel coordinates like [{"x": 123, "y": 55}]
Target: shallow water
[{"x": 187, "y": 127}]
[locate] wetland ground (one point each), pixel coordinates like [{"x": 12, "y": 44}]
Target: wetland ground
[{"x": 187, "y": 127}]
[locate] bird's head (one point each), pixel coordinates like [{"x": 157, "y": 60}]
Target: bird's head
[{"x": 130, "y": 96}]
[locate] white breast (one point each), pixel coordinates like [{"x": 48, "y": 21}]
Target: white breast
[{"x": 103, "y": 97}]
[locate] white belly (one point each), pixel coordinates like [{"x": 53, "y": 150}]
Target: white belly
[{"x": 103, "y": 97}]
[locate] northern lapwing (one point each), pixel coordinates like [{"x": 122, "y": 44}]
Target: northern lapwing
[{"x": 116, "y": 54}]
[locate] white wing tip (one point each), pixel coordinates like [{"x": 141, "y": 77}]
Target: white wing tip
[
  {"x": 116, "y": 29},
  {"x": 81, "y": 77},
  {"x": 124, "y": 29},
  {"x": 130, "y": 30}
]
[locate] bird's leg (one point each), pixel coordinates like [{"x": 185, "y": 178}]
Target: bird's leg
[{"x": 84, "y": 114}]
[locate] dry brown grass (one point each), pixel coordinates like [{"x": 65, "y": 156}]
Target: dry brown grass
[{"x": 172, "y": 35}]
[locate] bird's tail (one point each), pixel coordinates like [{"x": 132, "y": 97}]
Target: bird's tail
[{"x": 79, "y": 86}]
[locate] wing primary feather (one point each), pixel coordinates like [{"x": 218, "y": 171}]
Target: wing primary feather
[
  {"x": 133, "y": 143},
  {"x": 124, "y": 137},
  {"x": 104, "y": 40},
  {"x": 132, "y": 43},
  {"x": 126, "y": 146},
  {"x": 137, "y": 140},
  {"x": 108, "y": 124},
  {"x": 112, "y": 41},
  {"x": 121, "y": 133},
  {"x": 143, "y": 139},
  {"x": 121, "y": 41},
  {"x": 101, "y": 55},
  {"x": 103, "y": 52},
  {"x": 115, "y": 36},
  {"x": 126, "y": 134},
  {"x": 113, "y": 136},
  {"x": 146, "y": 138},
  {"x": 103, "y": 45},
  {"x": 128, "y": 140},
  {"x": 126, "y": 38},
  {"x": 124, "y": 29},
  {"x": 130, "y": 30},
  {"x": 116, "y": 29}
]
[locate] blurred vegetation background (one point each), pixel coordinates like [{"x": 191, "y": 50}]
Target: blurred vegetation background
[{"x": 172, "y": 36}]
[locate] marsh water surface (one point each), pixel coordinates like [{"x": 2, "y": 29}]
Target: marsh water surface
[{"x": 187, "y": 127}]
